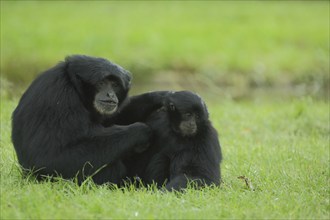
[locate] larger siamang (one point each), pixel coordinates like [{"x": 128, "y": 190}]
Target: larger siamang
[
  {"x": 185, "y": 147},
  {"x": 70, "y": 121}
]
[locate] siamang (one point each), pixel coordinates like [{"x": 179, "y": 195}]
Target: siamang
[
  {"x": 185, "y": 146},
  {"x": 76, "y": 121}
]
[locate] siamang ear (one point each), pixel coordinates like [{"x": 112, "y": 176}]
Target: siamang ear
[
  {"x": 127, "y": 79},
  {"x": 205, "y": 109}
]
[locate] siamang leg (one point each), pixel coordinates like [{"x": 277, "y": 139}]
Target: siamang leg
[
  {"x": 177, "y": 183},
  {"x": 112, "y": 173},
  {"x": 157, "y": 170},
  {"x": 180, "y": 182},
  {"x": 105, "y": 146}
]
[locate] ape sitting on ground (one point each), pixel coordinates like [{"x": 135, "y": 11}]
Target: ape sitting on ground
[
  {"x": 67, "y": 123},
  {"x": 185, "y": 147}
]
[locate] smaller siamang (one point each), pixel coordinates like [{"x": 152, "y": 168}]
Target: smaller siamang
[{"x": 185, "y": 147}]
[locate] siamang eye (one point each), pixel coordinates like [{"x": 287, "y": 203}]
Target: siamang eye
[
  {"x": 172, "y": 107},
  {"x": 100, "y": 85}
]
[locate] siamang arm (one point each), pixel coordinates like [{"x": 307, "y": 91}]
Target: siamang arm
[
  {"x": 101, "y": 147},
  {"x": 140, "y": 107}
]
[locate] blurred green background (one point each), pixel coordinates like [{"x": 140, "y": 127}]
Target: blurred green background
[{"x": 227, "y": 49}]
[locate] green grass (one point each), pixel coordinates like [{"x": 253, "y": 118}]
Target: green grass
[
  {"x": 230, "y": 43},
  {"x": 282, "y": 147}
]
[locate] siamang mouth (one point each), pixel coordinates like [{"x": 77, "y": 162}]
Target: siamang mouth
[
  {"x": 109, "y": 102},
  {"x": 106, "y": 107},
  {"x": 188, "y": 131}
]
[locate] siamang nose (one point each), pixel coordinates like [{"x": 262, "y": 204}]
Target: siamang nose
[{"x": 112, "y": 95}]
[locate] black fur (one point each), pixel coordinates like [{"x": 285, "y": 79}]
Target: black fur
[
  {"x": 57, "y": 131},
  {"x": 180, "y": 155}
]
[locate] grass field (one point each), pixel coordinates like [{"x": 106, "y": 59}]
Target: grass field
[
  {"x": 282, "y": 148},
  {"x": 262, "y": 67}
]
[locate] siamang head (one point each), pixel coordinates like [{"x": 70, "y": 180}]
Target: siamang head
[
  {"x": 101, "y": 84},
  {"x": 187, "y": 112}
]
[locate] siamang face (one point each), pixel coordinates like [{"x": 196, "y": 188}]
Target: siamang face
[
  {"x": 187, "y": 113},
  {"x": 107, "y": 96}
]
